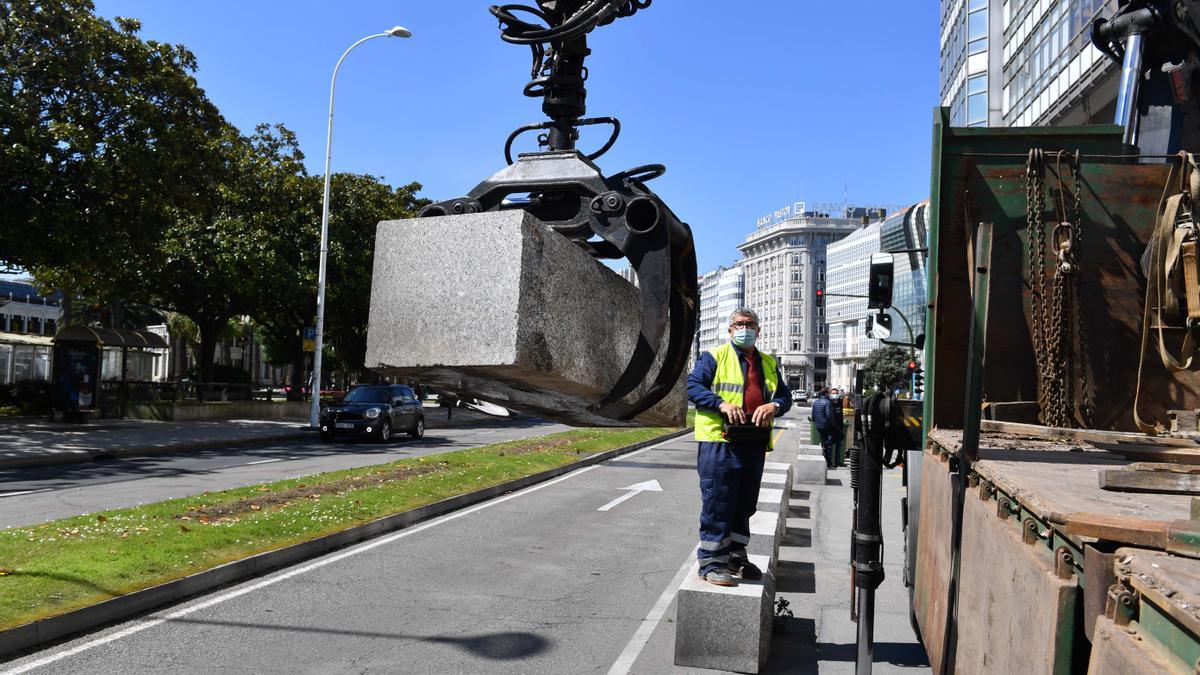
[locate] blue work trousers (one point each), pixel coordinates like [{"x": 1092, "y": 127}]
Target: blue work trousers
[{"x": 729, "y": 479}]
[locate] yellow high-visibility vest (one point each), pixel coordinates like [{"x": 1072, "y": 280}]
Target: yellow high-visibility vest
[{"x": 729, "y": 384}]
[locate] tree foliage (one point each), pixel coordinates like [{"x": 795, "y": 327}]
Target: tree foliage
[
  {"x": 887, "y": 367},
  {"x": 102, "y": 137},
  {"x": 122, "y": 184}
]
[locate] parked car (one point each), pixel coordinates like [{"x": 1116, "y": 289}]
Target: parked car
[
  {"x": 799, "y": 397},
  {"x": 374, "y": 411}
]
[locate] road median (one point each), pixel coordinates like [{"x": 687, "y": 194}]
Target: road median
[{"x": 79, "y": 573}]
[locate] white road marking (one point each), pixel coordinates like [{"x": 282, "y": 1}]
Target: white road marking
[
  {"x": 23, "y": 492},
  {"x": 638, "y": 642},
  {"x": 648, "y": 486},
  {"x": 263, "y": 461},
  {"x": 270, "y": 581}
]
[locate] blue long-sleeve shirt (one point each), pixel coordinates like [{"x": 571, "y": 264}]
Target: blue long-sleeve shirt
[{"x": 699, "y": 383}]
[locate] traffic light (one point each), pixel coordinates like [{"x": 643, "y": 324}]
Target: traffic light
[
  {"x": 912, "y": 367},
  {"x": 820, "y": 295},
  {"x": 918, "y": 382}
]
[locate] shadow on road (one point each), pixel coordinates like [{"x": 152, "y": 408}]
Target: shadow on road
[{"x": 493, "y": 646}]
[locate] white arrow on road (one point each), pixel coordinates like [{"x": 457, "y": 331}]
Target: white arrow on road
[{"x": 648, "y": 486}]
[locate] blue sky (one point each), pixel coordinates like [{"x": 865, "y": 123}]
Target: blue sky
[{"x": 749, "y": 104}]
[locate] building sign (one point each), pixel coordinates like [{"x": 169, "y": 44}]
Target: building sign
[
  {"x": 792, "y": 210},
  {"x": 310, "y": 339}
]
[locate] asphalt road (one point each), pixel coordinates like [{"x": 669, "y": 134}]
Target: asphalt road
[
  {"x": 538, "y": 581},
  {"x": 39, "y": 494}
]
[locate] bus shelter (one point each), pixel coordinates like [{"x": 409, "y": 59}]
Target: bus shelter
[
  {"x": 24, "y": 358},
  {"x": 95, "y": 369}
]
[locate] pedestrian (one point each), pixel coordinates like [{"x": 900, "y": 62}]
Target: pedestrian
[
  {"x": 447, "y": 401},
  {"x": 738, "y": 391},
  {"x": 825, "y": 422},
  {"x": 839, "y": 426}
]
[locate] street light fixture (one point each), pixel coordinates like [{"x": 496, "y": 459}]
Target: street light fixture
[{"x": 315, "y": 410}]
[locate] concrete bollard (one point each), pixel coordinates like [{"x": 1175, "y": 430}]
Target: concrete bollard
[{"x": 499, "y": 307}]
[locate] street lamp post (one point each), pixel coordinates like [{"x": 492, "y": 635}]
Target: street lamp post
[{"x": 315, "y": 410}]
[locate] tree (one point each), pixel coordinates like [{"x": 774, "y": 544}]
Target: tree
[
  {"x": 102, "y": 137},
  {"x": 208, "y": 259},
  {"x": 887, "y": 367},
  {"x": 359, "y": 203}
]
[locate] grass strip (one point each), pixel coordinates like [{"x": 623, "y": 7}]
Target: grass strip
[{"x": 59, "y": 566}]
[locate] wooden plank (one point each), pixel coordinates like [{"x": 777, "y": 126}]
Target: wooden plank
[
  {"x": 1125, "y": 480},
  {"x": 1056, "y": 480},
  {"x": 932, "y": 573},
  {"x": 1150, "y": 452},
  {"x": 1082, "y": 435},
  {"x": 1135, "y": 531},
  {"x": 1010, "y": 597},
  {"x": 1117, "y": 652}
]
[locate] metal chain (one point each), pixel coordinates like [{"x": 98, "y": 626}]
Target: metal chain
[
  {"x": 1035, "y": 235},
  {"x": 1060, "y": 342},
  {"x": 1086, "y": 403}
]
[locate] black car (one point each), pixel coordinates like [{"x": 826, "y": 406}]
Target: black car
[{"x": 374, "y": 411}]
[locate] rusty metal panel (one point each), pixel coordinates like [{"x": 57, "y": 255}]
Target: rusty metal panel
[
  {"x": 1015, "y": 614},
  {"x": 1121, "y": 651},
  {"x": 982, "y": 178},
  {"x": 932, "y": 573}
]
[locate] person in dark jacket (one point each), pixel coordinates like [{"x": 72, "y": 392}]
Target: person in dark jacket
[
  {"x": 839, "y": 426},
  {"x": 825, "y": 422}
]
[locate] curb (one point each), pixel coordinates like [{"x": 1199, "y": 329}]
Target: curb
[
  {"x": 89, "y": 618},
  {"x": 85, "y": 455}
]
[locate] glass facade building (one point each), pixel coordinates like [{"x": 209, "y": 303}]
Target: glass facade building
[
  {"x": 849, "y": 262},
  {"x": 1024, "y": 63}
]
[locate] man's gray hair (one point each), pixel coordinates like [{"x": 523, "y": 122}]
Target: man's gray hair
[{"x": 744, "y": 312}]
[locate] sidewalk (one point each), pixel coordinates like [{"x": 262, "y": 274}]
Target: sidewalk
[{"x": 38, "y": 443}]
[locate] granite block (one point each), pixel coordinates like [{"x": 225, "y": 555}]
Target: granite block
[
  {"x": 499, "y": 307},
  {"x": 725, "y": 628},
  {"x": 806, "y": 449},
  {"x": 810, "y": 470}
]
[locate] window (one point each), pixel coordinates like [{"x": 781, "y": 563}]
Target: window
[
  {"x": 976, "y": 84},
  {"x": 977, "y": 108},
  {"x": 795, "y": 345},
  {"x": 977, "y": 25},
  {"x": 820, "y": 345}
]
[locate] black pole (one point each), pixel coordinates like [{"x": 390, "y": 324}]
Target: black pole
[{"x": 868, "y": 530}]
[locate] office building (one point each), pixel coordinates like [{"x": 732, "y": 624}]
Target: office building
[
  {"x": 720, "y": 294},
  {"x": 784, "y": 263},
  {"x": 1025, "y": 63}
]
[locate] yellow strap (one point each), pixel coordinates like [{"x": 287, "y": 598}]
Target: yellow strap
[
  {"x": 1165, "y": 245},
  {"x": 1191, "y": 279}
]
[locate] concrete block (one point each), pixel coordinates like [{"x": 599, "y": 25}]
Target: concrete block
[
  {"x": 766, "y": 533},
  {"x": 769, "y": 497},
  {"x": 776, "y": 466},
  {"x": 725, "y": 628},
  {"x": 499, "y": 307},
  {"x": 806, "y": 449},
  {"x": 810, "y": 470},
  {"x": 774, "y": 478}
]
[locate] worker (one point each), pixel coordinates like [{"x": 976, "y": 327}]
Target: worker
[{"x": 738, "y": 392}]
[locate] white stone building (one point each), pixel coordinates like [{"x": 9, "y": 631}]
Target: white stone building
[{"x": 784, "y": 264}]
